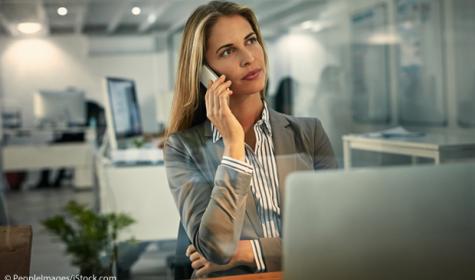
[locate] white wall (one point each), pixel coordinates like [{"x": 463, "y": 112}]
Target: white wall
[{"x": 29, "y": 64}]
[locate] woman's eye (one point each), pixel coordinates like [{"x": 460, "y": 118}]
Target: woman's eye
[
  {"x": 252, "y": 40},
  {"x": 226, "y": 52}
]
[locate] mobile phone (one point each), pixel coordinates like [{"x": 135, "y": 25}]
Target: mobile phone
[{"x": 206, "y": 75}]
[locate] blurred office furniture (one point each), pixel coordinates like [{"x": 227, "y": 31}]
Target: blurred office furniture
[
  {"x": 60, "y": 108},
  {"x": 283, "y": 99},
  {"x": 3, "y": 212},
  {"x": 3, "y": 207},
  {"x": 122, "y": 112},
  {"x": 163, "y": 108},
  {"x": 15, "y": 251},
  {"x": 381, "y": 223},
  {"x": 141, "y": 191},
  {"x": 11, "y": 118},
  {"x": 23, "y": 152},
  {"x": 440, "y": 148},
  {"x": 60, "y": 140},
  {"x": 127, "y": 176},
  {"x": 131, "y": 172},
  {"x": 126, "y": 141},
  {"x": 96, "y": 119}
]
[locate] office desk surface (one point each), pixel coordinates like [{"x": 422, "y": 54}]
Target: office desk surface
[
  {"x": 440, "y": 148},
  {"x": 258, "y": 276}
]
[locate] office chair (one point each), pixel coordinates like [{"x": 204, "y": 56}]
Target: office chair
[{"x": 283, "y": 99}]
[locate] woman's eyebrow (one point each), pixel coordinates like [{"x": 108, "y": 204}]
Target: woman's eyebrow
[
  {"x": 223, "y": 46},
  {"x": 229, "y": 45},
  {"x": 249, "y": 35}
]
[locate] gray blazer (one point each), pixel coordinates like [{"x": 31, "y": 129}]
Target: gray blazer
[{"x": 215, "y": 202}]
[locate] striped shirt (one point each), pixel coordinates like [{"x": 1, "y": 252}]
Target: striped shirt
[{"x": 260, "y": 162}]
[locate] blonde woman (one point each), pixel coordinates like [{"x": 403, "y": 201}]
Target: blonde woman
[{"x": 228, "y": 154}]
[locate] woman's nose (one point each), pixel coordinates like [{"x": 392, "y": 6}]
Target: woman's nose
[{"x": 246, "y": 57}]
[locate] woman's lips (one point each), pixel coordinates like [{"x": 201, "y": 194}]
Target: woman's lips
[{"x": 252, "y": 75}]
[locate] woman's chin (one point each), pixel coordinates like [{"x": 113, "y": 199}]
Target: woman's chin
[
  {"x": 247, "y": 92},
  {"x": 250, "y": 89}
]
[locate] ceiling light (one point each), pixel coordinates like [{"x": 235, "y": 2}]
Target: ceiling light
[
  {"x": 136, "y": 11},
  {"x": 383, "y": 39},
  {"x": 62, "y": 11},
  {"x": 307, "y": 24},
  {"x": 152, "y": 18},
  {"x": 29, "y": 27}
]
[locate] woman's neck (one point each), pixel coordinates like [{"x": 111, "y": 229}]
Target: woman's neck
[{"x": 247, "y": 109}]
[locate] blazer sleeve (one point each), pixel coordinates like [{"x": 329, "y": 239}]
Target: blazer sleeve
[
  {"x": 323, "y": 157},
  {"x": 212, "y": 213}
]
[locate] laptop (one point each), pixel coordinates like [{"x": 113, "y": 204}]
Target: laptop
[{"x": 383, "y": 223}]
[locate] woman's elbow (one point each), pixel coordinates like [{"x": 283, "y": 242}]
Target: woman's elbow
[{"x": 215, "y": 249}]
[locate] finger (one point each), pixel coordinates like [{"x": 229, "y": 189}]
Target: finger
[
  {"x": 218, "y": 82},
  {"x": 203, "y": 271},
  {"x": 194, "y": 256},
  {"x": 215, "y": 98},
  {"x": 223, "y": 87},
  {"x": 218, "y": 86},
  {"x": 207, "y": 103},
  {"x": 198, "y": 263},
  {"x": 189, "y": 250},
  {"x": 210, "y": 107},
  {"x": 224, "y": 101}
]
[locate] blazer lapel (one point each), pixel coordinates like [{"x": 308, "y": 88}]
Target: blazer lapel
[
  {"x": 215, "y": 150},
  {"x": 285, "y": 150}
]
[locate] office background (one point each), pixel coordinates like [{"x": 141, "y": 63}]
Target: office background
[{"x": 358, "y": 65}]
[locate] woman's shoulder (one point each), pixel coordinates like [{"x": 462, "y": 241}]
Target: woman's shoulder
[
  {"x": 193, "y": 136},
  {"x": 296, "y": 121}
]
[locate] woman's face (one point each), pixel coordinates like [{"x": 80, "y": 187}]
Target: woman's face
[{"x": 233, "y": 50}]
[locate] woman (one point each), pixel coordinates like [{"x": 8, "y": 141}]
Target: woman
[{"x": 227, "y": 154}]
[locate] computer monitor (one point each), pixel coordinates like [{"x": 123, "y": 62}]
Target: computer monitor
[
  {"x": 60, "y": 107},
  {"x": 122, "y": 112}
]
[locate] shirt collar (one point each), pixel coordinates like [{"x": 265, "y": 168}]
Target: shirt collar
[{"x": 264, "y": 121}]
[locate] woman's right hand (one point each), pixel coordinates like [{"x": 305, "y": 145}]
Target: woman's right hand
[{"x": 219, "y": 113}]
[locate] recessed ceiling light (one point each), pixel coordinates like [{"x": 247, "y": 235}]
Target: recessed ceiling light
[
  {"x": 307, "y": 24},
  {"x": 151, "y": 18},
  {"x": 29, "y": 27},
  {"x": 136, "y": 11},
  {"x": 62, "y": 11}
]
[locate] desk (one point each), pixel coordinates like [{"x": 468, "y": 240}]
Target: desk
[
  {"x": 31, "y": 149},
  {"x": 440, "y": 148},
  {"x": 258, "y": 276},
  {"x": 142, "y": 192},
  {"x": 78, "y": 156}
]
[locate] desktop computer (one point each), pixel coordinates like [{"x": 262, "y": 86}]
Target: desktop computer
[
  {"x": 124, "y": 125},
  {"x": 60, "y": 108}
]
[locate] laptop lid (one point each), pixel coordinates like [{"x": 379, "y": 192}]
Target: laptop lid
[{"x": 384, "y": 223}]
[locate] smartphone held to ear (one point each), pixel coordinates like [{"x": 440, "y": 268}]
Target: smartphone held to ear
[{"x": 206, "y": 75}]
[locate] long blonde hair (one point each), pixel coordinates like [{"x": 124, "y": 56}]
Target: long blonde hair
[{"x": 188, "y": 107}]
